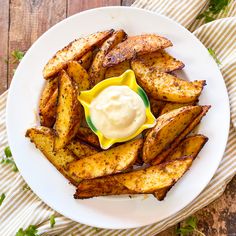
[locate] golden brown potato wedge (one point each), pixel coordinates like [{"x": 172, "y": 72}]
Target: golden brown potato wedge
[
  {"x": 74, "y": 51},
  {"x": 107, "y": 162},
  {"x": 86, "y": 60},
  {"x": 80, "y": 148},
  {"x": 87, "y": 135},
  {"x": 97, "y": 71},
  {"x": 159, "y": 60},
  {"x": 156, "y": 106},
  {"x": 69, "y": 112},
  {"x": 102, "y": 186},
  {"x": 43, "y": 138},
  {"x": 79, "y": 75},
  {"x": 167, "y": 128},
  {"x": 155, "y": 177},
  {"x": 166, "y": 87},
  {"x": 160, "y": 194},
  {"x": 161, "y": 156},
  {"x": 48, "y": 103},
  {"x": 170, "y": 106},
  {"x": 135, "y": 46},
  {"x": 117, "y": 70}
]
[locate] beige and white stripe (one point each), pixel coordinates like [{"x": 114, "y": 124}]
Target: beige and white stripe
[{"x": 22, "y": 207}]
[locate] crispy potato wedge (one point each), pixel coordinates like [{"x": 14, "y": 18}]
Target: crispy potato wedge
[
  {"x": 156, "y": 106},
  {"x": 80, "y": 148},
  {"x": 87, "y": 135},
  {"x": 170, "y": 106},
  {"x": 79, "y": 75},
  {"x": 48, "y": 103},
  {"x": 161, "y": 156},
  {"x": 86, "y": 60},
  {"x": 190, "y": 146},
  {"x": 135, "y": 46},
  {"x": 43, "y": 138},
  {"x": 107, "y": 162},
  {"x": 117, "y": 70},
  {"x": 167, "y": 128},
  {"x": 102, "y": 186},
  {"x": 159, "y": 60},
  {"x": 166, "y": 87},
  {"x": 69, "y": 112},
  {"x": 97, "y": 71},
  {"x": 74, "y": 51},
  {"x": 155, "y": 177}
]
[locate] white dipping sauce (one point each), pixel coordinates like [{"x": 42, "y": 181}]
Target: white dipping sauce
[{"x": 117, "y": 111}]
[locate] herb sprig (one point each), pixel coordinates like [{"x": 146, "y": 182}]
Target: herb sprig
[
  {"x": 8, "y": 159},
  {"x": 213, "y": 54},
  {"x": 189, "y": 227},
  {"x": 215, "y": 7},
  {"x": 30, "y": 231},
  {"x": 17, "y": 55},
  {"x": 52, "y": 221},
  {"x": 3, "y": 196}
]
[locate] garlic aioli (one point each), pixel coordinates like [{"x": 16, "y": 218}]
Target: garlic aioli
[{"x": 117, "y": 111}]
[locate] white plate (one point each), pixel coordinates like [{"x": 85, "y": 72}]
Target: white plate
[{"x": 50, "y": 185}]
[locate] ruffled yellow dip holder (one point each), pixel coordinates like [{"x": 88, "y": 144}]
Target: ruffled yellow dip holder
[{"x": 127, "y": 78}]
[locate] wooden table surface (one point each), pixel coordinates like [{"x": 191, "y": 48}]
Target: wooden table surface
[{"x": 23, "y": 21}]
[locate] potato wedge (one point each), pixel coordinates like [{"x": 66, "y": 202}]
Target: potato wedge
[
  {"x": 81, "y": 149},
  {"x": 102, "y": 186},
  {"x": 43, "y": 138},
  {"x": 87, "y": 135},
  {"x": 48, "y": 103},
  {"x": 79, "y": 75},
  {"x": 74, "y": 51},
  {"x": 170, "y": 106},
  {"x": 86, "y": 60},
  {"x": 107, "y": 162},
  {"x": 117, "y": 70},
  {"x": 166, "y": 87},
  {"x": 160, "y": 194},
  {"x": 159, "y": 60},
  {"x": 135, "y": 46},
  {"x": 156, "y": 106},
  {"x": 161, "y": 156},
  {"x": 69, "y": 112},
  {"x": 156, "y": 177},
  {"x": 167, "y": 128},
  {"x": 97, "y": 71}
]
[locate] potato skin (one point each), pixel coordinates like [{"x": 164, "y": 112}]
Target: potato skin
[
  {"x": 167, "y": 128},
  {"x": 107, "y": 162},
  {"x": 86, "y": 60},
  {"x": 135, "y": 46},
  {"x": 69, "y": 112},
  {"x": 74, "y": 50},
  {"x": 166, "y": 87}
]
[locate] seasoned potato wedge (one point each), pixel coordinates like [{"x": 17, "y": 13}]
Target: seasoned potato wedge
[
  {"x": 86, "y": 60},
  {"x": 79, "y": 75},
  {"x": 69, "y": 112},
  {"x": 159, "y": 60},
  {"x": 81, "y": 149},
  {"x": 102, "y": 186},
  {"x": 156, "y": 106},
  {"x": 170, "y": 106},
  {"x": 161, "y": 156},
  {"x": 73, "y": 51},
  {"x": 135, "y": 46},
  {"x": 43, "y": 138},
  {"x": 48, "y": 103},
  {"x": 107, "y": 162},
  {"x": 117, "y": 70},
  {"x": 167, "y": 128},
  {"x": 97, "y": 71},
  {"x": 160, "y": 194},
  {"x": 155, "y": 177},
  {"x": 87, "y": 135},
  {"x": 166, "y": 87}
]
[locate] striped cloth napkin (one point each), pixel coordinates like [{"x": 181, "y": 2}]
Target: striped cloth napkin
[{"x": 22, "y": 207}]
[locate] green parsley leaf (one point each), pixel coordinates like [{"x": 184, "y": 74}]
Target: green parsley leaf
[
  {"x": 8, "y": 159},
  {"x": 192, "y": 221},
  {"x": 52, "y": 221},
  {"x": 213, "y": 54},
  {"x": 26, "y": 187},
  {"x": 7, "y": 152},
  {"x": 30, "y": 231},
  {"x": 18, "y": 55},
  {"x": 3, "y": 196},
  {"x": 184, "y": 231}
]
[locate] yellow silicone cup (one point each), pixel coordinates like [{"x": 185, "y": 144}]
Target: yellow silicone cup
[{"x": 127, "y": 78}]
